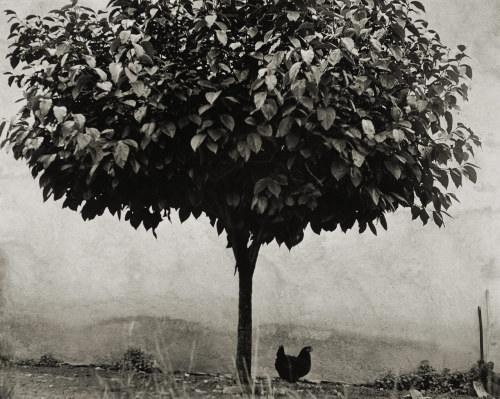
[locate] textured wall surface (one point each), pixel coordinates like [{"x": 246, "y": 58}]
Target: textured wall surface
[{"x": 420, "y": 283}]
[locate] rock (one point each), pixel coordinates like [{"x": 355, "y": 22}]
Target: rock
[
  {"x": 200, "y": 391},
  {"x": 234, "y": 390},
  {"x": 228, "y": 375}
]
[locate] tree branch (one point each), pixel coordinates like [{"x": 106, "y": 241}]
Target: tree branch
[{"x": 255, "y": 247}]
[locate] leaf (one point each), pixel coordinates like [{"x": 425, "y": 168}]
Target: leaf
[
  {"x": 131, "y": 143},
  {"x": 449, "y": 121},
  {"x": 132, "y": 77},
  {"x": 212, "y": 146},
  {"x": 148, "y": 128},
  {"x": 372, "y": 227},
  {"x": 339, "y": 145},
  {"x": 262, "y": 205},
  {"x": 210, "y": 19},
  {"x": 294, "y": 41},
  {"x": 357, "y": 158},
  {"x": 139, "y": 88},
  {"x": 356, "y": 176},
  {"x": 271, "y": 82},
  {"x": 293, "y": 15},
  {"x": 101, "y": 73},
  {"x": 394, "y": 168},
  {"x": 2, "y": 126},
  {"x": 105, "y": 86},
  {"x": 418, "y": 5},
  {"x": 284, "y": 126},
  {"x": 339, "y": 169},
  {"x": 197, "y": 140},
  {"x": 292, "y": 140},
  {"x": 269, "y": 109},
  {"x": 215, "y": 134},
  {"x": 60, "y": 113},
  {"x": 334, "y": 57},
  {"x": 368, "y": 128},
  {"x": 438, "y": 219},
  {"x": 80, "y": 84},
  {"x": 396, "y": 52},
  {"x": 265, "y": 130},
  {"x": 456, "y": 176},
  {"x": 259, "y": 99},
  {"x": 221, "y": 36},
  {"x": 294, "y": 70},
  {"x": 79, "y": 121},
  {"x": 374, "y": 194},
  {"x": 91, "y": 62},
  {"x": 298, "y": 88},
  {"x": 169, "y": 129},
  {"x": 307, "y": 55},
  {"x": 115, "y": 69},
  {"x": 348, "y": 43},
  {"x": 255, "y": 142},
  {"x": 471, "y": 173},
  {"x": 140, "y": 113},
  {"x": 326, "y": 116},
  {"x": 62, "y": 49},
  {"x": 274, "y": 187},
  {"x": 120, "y": 153},
  {"x": 204, "y": 108},
  {"x": 388, "y": 81},
  {"x": 421, "y": 105},
  {"x": 212, "y": 96},
  {"x": 45, "y": 106},
  {"x": 244, "y": 150},
  {"x": 228, "y": 121},
  {"x": 398, "y": 135},
  {"x": 260, "y": 186}
]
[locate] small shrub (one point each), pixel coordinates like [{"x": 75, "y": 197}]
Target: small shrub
[
  {"x": 135, "y": 359},
  {"x": 47, "y": 360},
  {"x": 426, "y": 378}
]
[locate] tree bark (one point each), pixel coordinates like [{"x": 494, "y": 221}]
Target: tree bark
[{"x": 244, "y": 346}]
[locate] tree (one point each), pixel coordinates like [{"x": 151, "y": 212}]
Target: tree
[{"x": 267, "y": 116}]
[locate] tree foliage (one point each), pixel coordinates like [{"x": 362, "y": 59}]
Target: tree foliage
[{"x": 267, "y": 116}]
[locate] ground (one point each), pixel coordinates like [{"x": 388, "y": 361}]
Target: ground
[{"x": 70, "y": 382}]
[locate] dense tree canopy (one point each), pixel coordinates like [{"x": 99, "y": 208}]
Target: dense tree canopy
[
  {"x": 265, "y": 115},
  {"x": 271, "y": 113}
]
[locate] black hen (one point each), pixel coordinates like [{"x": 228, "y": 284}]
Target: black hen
[{"x": 291, "y": 368}]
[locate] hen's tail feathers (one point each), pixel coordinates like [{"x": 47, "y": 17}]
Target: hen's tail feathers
[{"x": 281, "y": 351}]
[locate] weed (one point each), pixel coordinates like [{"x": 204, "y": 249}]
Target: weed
[{"x": 135, "y": 359}]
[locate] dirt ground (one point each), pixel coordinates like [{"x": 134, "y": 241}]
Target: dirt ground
[{"x": 70, "y": 382}]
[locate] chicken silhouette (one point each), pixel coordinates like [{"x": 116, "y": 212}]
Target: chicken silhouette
[{"x": 291, "y": 368}]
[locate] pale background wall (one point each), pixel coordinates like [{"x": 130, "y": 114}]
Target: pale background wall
[{"x": 414, "y": 282}]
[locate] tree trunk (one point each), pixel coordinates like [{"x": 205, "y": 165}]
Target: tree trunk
[{"x": 244, "y": 347}]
